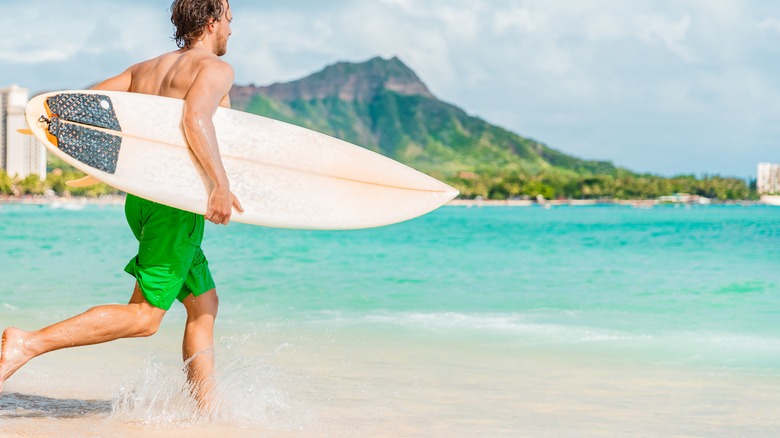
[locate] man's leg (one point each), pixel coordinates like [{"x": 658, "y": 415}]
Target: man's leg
[
  {"x": 198, "y": 345},
  {"x": 96, "y": 325}
]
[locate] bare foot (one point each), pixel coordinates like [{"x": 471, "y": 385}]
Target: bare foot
[{"x": 13, "y": 353}]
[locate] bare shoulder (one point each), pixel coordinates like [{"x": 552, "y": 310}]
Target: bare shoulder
[
  {"x": 214, "y": 66},
  {"x": 211, "y": 84},
  {"x": 214, "y": 77}
]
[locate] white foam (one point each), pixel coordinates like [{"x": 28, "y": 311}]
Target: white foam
[
  {"x": 519, "y": 326},
  {"x": 11, "y": 307},
  {"x": 156, "y": 395},
  {"x": 246, "y": 393}
]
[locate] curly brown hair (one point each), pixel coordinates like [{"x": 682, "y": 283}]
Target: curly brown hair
[{"x": 190, "y": 17}]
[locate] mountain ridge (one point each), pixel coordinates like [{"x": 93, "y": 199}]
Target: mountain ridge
[
  {"x": 383, "y": 105},
  {"x": 348, "y": 81}
]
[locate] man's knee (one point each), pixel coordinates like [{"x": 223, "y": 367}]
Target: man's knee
[
  {"x": 206, "y": 303},
  {"x": 149, "y": 319},
  {"x": 210, "y": 298}
]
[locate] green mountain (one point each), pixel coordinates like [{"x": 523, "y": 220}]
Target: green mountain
[{"x": 383, "y": 105}]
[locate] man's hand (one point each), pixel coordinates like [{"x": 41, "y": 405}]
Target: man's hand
[{"x": 220, "y": 208}]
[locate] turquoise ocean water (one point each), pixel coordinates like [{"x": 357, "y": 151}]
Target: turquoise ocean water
[
  {"x": 694, "y": 289},
  {"x": 687, "y": 285}
]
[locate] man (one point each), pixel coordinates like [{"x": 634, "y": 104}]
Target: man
[{"x": 170, "y": 263}]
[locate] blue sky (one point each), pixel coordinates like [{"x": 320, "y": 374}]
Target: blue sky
[{"x": 662, "y": 86}]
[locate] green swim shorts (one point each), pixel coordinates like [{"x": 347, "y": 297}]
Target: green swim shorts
[{"x": 170, "y": 263}]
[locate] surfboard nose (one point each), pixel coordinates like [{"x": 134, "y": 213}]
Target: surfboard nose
[
  {"x": 454, "y": 193},
  {"x": 450, "y": 193}
]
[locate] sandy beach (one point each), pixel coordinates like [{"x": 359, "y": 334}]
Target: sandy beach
[{"x": 395, "y": 387}]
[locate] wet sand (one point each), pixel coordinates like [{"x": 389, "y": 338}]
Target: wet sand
[{"x": 346, "y": 384}]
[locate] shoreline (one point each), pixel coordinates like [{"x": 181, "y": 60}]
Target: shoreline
[
  {"x": 636, "y": 203},
  {"x": 63, "y": 200}
]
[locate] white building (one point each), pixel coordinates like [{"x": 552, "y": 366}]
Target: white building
[
  {"x": 20, "y": 155},
  {"x": 768, "y": 182}
]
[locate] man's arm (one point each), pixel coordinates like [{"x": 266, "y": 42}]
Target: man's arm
[
  {"x": 207, "y": 93},
  {"x": 120, "y": 82}
]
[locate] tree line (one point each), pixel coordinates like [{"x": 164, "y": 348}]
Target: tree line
[
  {"x": 496, "y": 185},
  {"x": 54, "y": 182},
  {"x": 622, "y": 184}
]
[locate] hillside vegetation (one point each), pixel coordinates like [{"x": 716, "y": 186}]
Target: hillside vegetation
[{"x": 383, "y": 106}]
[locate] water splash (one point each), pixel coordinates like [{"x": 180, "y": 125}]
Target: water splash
[
  {"x": 156, "y": 395},
  {"x": 248, "y": 392}
]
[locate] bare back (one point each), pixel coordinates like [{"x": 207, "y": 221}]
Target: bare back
[{"x": 171, "y": 74}]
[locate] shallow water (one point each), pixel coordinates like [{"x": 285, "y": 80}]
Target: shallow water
[{"x": 574, "y": 321}]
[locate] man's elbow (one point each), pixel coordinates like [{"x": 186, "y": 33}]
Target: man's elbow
[{"x": 194, "y": 120}]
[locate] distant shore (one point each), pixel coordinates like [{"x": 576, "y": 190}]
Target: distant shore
[
  {"x": 636, "y": 203},
  {"x": 58, "y": 200}
]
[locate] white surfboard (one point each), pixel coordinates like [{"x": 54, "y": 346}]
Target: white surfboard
[{"x": 285, "y": 176}]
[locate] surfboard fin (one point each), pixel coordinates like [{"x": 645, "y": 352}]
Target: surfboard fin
[
  {"x": 25, "y": 131},
  {"x": 87, "y": 181}
]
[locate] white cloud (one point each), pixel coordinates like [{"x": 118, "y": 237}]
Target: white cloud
[
  {"x": 672, "y": 34},
  {"x": 516, "y": 17},
  {"x": 554, "y": 60},
  {"x": 596, "y": 78},
  {"x": 462, "y": 22},
  {"x": 66, "y": 30},
  {"x": 11, "y": 55},
  {"x": 772, "y": 24},
  {"x": 604, "y": 27},
  {"x": 408, "y": 6}
]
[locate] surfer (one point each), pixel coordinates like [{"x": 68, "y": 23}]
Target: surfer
[{"x": 170, "y": 264}]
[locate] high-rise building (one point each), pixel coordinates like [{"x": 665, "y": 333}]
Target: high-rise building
[
  {"x": 20, "y": 155},
  {"x": 768, "y": 181}
]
